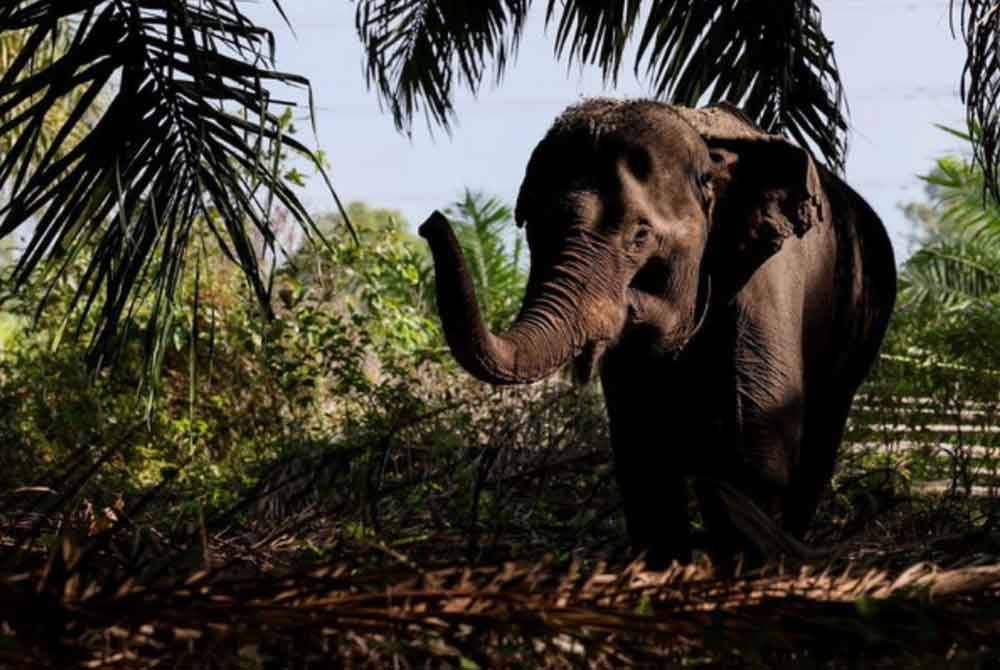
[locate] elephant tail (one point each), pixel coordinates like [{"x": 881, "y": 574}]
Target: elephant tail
[{"x": 756, "y": 526}]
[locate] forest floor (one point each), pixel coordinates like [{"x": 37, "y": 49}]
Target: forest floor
[{"x": 500, "y": 560}]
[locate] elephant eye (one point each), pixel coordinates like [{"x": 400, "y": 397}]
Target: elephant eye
[{"x": 641, "y": 236}]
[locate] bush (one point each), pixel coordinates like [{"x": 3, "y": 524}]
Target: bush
[{"x": 355, "y": 353}]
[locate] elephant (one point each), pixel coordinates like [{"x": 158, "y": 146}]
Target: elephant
[{"x": 731, "y": 292}]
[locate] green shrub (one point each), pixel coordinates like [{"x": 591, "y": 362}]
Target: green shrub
[
  {"x": 354, "y": 350},
  {"x": 932, "y": 404}
]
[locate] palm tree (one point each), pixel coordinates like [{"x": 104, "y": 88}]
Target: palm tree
[
  {"x": 772, "y": 57},
  {"x": 189, "y": 135},
  {"x": 956, "y": 270},
  {"x": 12, "y": 44}
]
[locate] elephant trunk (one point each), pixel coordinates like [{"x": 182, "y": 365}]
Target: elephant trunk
[{"x": 553, "y": 326}]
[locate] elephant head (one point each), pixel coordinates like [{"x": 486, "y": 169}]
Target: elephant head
[{"x": 633, "y": 210}]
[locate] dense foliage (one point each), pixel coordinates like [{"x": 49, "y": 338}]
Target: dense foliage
[
  {"x": 931, "y": 408},
  {"x": 146, "y": 116},
  {"x": 314, "y": 468},
  {"x": 355, "y": 340}
]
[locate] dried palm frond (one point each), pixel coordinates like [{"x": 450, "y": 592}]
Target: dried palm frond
[{"x": 511, "y": 614}]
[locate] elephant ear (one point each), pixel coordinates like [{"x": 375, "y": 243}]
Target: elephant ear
[{"x": 767, "y": 189}]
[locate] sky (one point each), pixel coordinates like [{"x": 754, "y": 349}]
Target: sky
[{"x": 899, "y": 64}]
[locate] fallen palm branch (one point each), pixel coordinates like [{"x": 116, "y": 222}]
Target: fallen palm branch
[{"x": 509, "y": 614}]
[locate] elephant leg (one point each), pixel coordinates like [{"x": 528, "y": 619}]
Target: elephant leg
[
  {"x": 755, "y": 460},
  {"x": 656, "y": 505},
  {"x": 651, "y": 483},
  {"x": 824, "y": 430},
  {"x": 728, "y": 543}
]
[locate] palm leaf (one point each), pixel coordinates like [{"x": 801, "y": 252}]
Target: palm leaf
[
  {"x": 959, "y": 185},
  {"x": 954, "y": 274},
  {"x": 594, "y": 32},
  {"x": 978, "y": 22},
  {"x": 418, "y": 49},
  {"x": 772, "y": 58},
  {"x": 187, "y": 136}
]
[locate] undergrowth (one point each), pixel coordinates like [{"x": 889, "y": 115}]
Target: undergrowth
[{"x": 327, "y": 488}]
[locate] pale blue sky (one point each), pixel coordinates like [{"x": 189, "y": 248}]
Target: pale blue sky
[{"x": 898, "y": 60}]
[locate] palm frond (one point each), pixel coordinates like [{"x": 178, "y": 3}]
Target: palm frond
[
  {"x": 952, "y": 273},
  {"x": 771, "y": 58},
  {"x": 13, "y": 45},
  {"x": 187, "y": 136},
  {"x": 594, "y": 33},
  {"x": 978, "y": 22},
  {"x": 418, "y": 49},
  {"x": 959, "y": 185}
]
